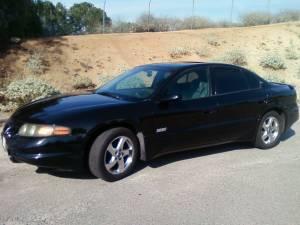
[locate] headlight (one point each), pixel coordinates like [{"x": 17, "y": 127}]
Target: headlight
[{"x": 34, "y": 130}]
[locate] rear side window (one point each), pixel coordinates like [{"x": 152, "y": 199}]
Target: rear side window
[
  {"x": 227, "y": 80},
  {"x": 253, "y": 81}
]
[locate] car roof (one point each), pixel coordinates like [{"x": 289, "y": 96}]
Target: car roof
[{"x": 185, "y": 65}]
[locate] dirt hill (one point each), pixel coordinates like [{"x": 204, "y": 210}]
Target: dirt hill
[{"x": 100, "y": 56}]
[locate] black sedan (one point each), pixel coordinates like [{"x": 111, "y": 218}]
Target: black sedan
[{"x": 150, "y": 111}]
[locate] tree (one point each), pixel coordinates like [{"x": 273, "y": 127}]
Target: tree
[
  {"x": 18, "y": 18},
  {"x": 145, "y": 20},
  {"x": 86, "y": 18},
  {"x": 64, "y": 26},
  {"x": 47, "y": 14},
  {"x": 123, "y": 27},
  {"x": 255, "y": 18},
  {"x": 286, "y": 16}
]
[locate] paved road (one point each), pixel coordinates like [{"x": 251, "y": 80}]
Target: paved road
[{"x": 224, "y": 185}]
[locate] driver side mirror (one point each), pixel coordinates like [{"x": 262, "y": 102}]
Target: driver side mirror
[{"x": 171, "y": 98}]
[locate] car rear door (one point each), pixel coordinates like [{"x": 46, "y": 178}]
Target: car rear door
[
  {"x": 190, "y": 121},
  {"x": 240, "y": 99}
]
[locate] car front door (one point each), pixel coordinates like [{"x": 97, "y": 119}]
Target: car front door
[{"x": 189, "y": 121}]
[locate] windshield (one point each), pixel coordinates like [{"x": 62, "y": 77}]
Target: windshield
[{"x": 137, "y": 84}]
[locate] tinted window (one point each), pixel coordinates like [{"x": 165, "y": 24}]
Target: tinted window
[
  {"x": 228, "y": 80},
  {"x": 253, "y": 81},
  {"x": 190, "y": 85}
]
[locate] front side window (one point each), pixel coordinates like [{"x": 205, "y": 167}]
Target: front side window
[
  {"x": 190, "y": 85},
  {"x": 137, "y": 84},
  {"x": 228, "y": 80}
]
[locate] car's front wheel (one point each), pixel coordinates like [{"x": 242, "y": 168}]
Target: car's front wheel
[
  {"x": 269, "y": 130},
  {"x": 113, "y": 154}
]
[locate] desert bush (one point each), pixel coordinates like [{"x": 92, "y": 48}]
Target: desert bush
[
  {"x": 255, "y": 18},
  {"x": 213, "y": 41},
  {"x": 24, "y": 91},
  {"x": 35, "y": 64},
  {"x": 272, "y": 61},
  {"x": 291, "y": 52},
  {"x": 202, "y": 52},
  {"x": 8, "y": 106},
  {"x": 82, "y": 82},
  {"x": 298, "y": 74},
  {"x": 236, "y": 57},
  {"x": 274, "y": 78},
  {"x": 196, "y": 22},
  {"x": 179, "y": 52}
]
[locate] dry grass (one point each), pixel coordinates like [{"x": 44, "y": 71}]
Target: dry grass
[{"x": 94, "y": 55}]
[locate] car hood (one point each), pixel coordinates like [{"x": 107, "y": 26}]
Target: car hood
[{"x": 63, "y": 105}]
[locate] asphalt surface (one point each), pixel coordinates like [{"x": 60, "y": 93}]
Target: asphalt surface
[{"x": 231, "y": 184}]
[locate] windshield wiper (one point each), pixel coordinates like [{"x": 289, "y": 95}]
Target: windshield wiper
[{"x": 108, "y": 94}]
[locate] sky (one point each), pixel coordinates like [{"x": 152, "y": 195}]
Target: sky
[{"x": 216, "y": 10}]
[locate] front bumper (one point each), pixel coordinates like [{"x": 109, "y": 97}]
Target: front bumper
[{"x": 52, "y": 152}]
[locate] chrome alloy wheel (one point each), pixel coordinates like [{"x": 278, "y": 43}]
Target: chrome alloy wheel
[
  {"x": 270, "y": 130},
  {"x": 119, "y": 155}
]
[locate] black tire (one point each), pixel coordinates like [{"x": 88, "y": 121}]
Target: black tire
[
  {"x": 259, "y": 143},
  {"x": 96, "y": 159}
]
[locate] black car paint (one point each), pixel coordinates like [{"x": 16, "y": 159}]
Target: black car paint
[{"x": 213, "y": 120}]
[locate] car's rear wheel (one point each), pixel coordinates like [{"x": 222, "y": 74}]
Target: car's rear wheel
[
  {"x": 113, "y": 154},
  {"x": 269, "y": 130}
]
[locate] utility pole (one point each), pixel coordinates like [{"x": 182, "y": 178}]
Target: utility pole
[
  {"x": 231, "y": 12},
  {"x": 103, "y": 17},
  {"x": 269, "y": 10},
  {"x": 149, "y": 12},
  {"x": 193, "y": 15}
]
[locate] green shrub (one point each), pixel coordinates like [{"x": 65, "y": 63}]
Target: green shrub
[
  {"x": 82, "y": 82},
  {"x": 35, "y": 64},
  {"x": 24, "y": 91},
  {"x": 179, "y": 52},
  {"x": 236, "y": 57},
  {"x": 272, "y": 61}
]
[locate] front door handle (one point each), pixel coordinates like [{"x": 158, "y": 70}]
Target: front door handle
[{"x": 212, "y": 111}]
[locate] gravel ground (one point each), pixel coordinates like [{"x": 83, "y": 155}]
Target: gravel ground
[{"x": 224, "y": 185}]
